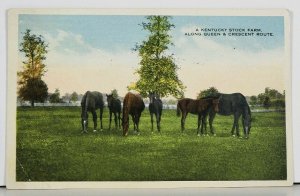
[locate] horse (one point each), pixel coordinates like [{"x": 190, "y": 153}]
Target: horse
[
  {"x": 155, "y": 107},
  {"x": 133, "y": 105},
  {"x": 91, "y": 101},
  {"x": 114, "y": 106},
  {"x": 233, "y": 104},
  {"x": 201, "y": 107}
]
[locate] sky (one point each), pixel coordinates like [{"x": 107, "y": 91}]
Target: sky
[{"x": 94, "y": 52}]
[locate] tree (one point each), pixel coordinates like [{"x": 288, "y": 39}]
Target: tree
[
  {"x": 34, "y": 90},
  {"x": 212, "y": 91},
  {"x": 55, "y": 97},
  {"x": 253, "y": 100},
  {"x": 115, "y": 94},
  {"x": 267, "y": 102},
  {"x": 158, "y": 71},
  {"x": 66, "y": 98},
  {"x": 74, "y": 97},
  {"x": 29, "y": 79}
]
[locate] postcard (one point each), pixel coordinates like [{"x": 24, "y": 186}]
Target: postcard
[{"x": 148, "y": 98}]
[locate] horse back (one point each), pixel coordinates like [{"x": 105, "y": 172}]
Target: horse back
[
  {"x": 92, "y": 100},
  {"x": 133, "y": 103},
  {"x": 231, "y": 103}
]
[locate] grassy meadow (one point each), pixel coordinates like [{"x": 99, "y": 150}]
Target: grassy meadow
[{"x": 51, "y": 147}]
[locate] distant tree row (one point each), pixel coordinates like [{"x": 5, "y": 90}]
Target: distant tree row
[{"x": 270, "y": 98}]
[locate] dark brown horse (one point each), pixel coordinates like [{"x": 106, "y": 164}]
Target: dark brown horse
[
  {"x": 201, "y": 107},
  {"x": 133, "y": 105}
]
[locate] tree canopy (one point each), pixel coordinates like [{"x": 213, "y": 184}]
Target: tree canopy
[
  {"x": 158, "y": 71},
  {"x": 34, "y": 90},
  {"x": 35, "y": 50},
  {"x": 212, "y": 91}
]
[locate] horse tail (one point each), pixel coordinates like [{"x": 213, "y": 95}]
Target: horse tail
[{"x": 178, "y": 109}]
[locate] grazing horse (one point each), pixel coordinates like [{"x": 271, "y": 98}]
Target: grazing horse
[
  {"x": 91, "y": 101},
  {"x": 233, "y": 104},
  {"x": 114, "y": 106},
  {"x": 155, "y": 107},
  {"x": 201, "y": 107},
  {"x": 133, "y": 105}
]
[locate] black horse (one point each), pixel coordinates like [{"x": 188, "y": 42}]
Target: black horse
[
  {"x": 91, "y": 101},
  {"x": 114, "y": 106},
  {"x": 133, "y": 105},
  {"x": 233, "y": 104},
  {"x": 155, "y": 107}
]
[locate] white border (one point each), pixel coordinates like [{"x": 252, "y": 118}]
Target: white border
[{"x": 11, "y": 96}]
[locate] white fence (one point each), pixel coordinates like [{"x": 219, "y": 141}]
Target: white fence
[{"x": 165, "y": 106}]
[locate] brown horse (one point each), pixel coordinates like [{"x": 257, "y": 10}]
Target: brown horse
[
  {"x": 132, "y": 105},
  {"x": 201, "y": 107}
]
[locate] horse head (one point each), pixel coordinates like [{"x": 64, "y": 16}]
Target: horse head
[
  {"x": 151, "y": 97},
  {"x": 215, "y": 103},
  {"x": 109, "y": 99}
]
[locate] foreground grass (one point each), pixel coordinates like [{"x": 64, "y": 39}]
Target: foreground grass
[{"x": 51, "y": 147}]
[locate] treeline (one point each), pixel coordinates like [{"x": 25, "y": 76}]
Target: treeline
[{"x": 270, "y": 98}]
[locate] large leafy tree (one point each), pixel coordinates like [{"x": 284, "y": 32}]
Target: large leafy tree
[
  {"x": 31, "y": 86},
  {"x": 158, "y": 71}
]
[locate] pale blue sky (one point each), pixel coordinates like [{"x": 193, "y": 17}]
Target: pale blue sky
[
  {"x": 104, "y": 43},
  {"x": 114, "y": 32}
]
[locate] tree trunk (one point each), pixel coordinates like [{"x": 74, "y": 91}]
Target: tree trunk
[{"x": 32, "y": 103}]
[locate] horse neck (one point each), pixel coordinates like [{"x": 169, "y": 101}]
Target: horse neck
[{"x": 126, "y": 106}]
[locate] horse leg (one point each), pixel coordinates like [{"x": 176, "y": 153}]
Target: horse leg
[
  {"x": 84, "y": 124},
  {"x": 95, "y": 120},
  {"x": 199, "y": 123},
  {"x": 133, "y": 120},
  {"x": 110, "y": 114},
  {"x": 211, "y": 120},
  {"x": 137, "y": 119},
  {"x": 151, "y": 114},
  {"x": 183, "y": 117},
  {"x": 235, "y": 125},
  {"x": 158, "y": 122},
  {"x": 119, "y": 120},
  {"x": 101, "y": 114},
  {"x": 116, "y": 120},
  {"x": 203, "y": 125}
]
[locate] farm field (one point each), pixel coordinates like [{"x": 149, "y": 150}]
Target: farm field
[{"x": 51, "y": 147}]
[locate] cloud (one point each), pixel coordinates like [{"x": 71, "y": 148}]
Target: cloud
[{"x": 74, "y": 65}]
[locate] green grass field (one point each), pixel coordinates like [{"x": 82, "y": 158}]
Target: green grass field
[{"x": 51, "y": 147}]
